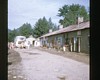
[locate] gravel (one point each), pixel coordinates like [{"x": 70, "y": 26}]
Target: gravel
[
  {"x": 81, "y": 57},
  {"x": 14, "y": 65},
  {"x": 41, "y": 65}
]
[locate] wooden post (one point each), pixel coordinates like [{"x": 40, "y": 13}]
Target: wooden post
[
  {"x": 79, "y": 45},
  {"x": 74, "y": 44},
  {"x": 3, "y": 40}
]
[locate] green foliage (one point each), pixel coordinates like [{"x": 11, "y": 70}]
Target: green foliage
[
  {"x": 42, "y": 26},
  {"x": 11, "y": 35},
  {"x": 52, "y": 25},
  {"x": 70, "y": 13},
  {"x": 25, "y": 30},
  {"x": 63, "y": 10}
]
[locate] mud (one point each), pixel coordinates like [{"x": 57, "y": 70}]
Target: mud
[
  {"x": 35, "y": 64},
  {"x": 15, "y": 66},
  {"x": 46, "y": 66}
]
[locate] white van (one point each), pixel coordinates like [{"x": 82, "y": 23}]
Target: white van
[{"x": 19, "y": 41}]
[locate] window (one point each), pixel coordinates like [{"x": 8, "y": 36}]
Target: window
[
  {"x": 59, "y": 40},
  {"x": 22, "y": 38},
  {"x": 19, "y": 42}
]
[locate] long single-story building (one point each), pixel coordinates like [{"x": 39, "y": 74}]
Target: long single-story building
[{"x": 74, "y": 37}]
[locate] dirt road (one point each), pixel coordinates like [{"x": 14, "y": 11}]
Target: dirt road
[{"x": 40, "y": 65}]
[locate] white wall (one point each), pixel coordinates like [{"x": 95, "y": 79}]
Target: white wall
[{"x": 36, "y": 43}]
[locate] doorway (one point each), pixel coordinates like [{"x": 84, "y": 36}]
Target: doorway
[
  {"x": 78, "y": 47},
  {"x": 33, "y": 43}
]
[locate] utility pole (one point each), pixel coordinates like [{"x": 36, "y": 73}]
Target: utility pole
[{"x": 80, "y": 19}]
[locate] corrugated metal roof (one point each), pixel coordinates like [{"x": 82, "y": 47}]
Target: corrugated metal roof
[{"x": 70, "y": 28}]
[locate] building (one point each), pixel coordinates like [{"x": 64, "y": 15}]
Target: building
[
  {"x": 37, "y": 43},
  {"x": 30, "y": 40},
  {"x": 74, "y": 37}
]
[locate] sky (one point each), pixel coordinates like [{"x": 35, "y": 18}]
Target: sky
[{"x": 29, "y": 11}]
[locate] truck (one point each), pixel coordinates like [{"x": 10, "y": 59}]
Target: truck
[{"x": 19, "y": 41}]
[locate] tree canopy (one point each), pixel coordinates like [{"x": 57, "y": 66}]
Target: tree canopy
[
  {"x": 25, "y": 30},
  {"x": 52, "y": 25},
  {"x": 70, "y": 14},
  {"x": 12, "y": 34},
  {"x": 42, "y": 26}
]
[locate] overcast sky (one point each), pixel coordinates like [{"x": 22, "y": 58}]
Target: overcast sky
[{"x": 22, "y": 11}]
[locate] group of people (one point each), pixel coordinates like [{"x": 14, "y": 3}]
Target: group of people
[{"x": 11, "y": 45}]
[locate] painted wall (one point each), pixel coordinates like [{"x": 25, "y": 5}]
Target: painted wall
[
  {"x": 85, "y": 41},
  {"x": 58, "y": 39}
]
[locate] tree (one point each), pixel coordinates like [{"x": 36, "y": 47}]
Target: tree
[
  {"x": 52, "y": 25},
  {"x": 25, "y": 30},
  {"x": 55, "y": 27},
  {"x": 11, "y": 35},
  {"x": 42, "y": 27},
  {"x": 70, "y": 14}
]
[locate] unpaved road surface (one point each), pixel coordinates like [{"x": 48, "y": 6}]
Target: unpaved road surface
[{"x": 40, "y": 65}]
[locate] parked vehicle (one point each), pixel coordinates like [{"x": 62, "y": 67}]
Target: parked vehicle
[{"x": 19, "y": 41}]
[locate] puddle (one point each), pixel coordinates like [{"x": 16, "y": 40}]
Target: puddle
[
  {"x": 34, "y": 54},
  {"x": 30, "y": 53}
]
